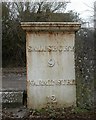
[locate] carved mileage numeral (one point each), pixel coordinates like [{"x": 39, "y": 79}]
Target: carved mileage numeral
[{"x": 51, "y": 100}]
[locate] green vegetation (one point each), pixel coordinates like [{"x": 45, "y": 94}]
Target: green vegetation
[{"x": 54, "y": 113}]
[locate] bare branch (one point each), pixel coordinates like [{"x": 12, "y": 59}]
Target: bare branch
[{"x": 59, "y": 5}]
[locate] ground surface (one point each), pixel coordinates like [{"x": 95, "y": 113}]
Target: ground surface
[{"x": 48, "y": 114}]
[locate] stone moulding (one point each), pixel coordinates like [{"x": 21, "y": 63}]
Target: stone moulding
[{"x": 51, "y": 26}]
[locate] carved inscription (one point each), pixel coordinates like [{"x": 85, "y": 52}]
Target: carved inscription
[
  {"x": 51, "y": 48},
  {"x": 51, "y": 62},
  {"x": 51, "y": 100},
  {"x": 51, "y": 82}
]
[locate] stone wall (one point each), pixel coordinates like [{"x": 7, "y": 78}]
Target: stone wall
[{"x": 12, "y": 98}]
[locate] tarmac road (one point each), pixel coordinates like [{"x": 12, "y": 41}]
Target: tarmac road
[{"x": 14, "y": 78}]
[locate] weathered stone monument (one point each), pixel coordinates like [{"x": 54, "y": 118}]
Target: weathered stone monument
[{"x": 50, "y": 63}]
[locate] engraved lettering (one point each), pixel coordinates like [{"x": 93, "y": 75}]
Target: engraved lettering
[
  {"x": 51, "y": 49},
  {"x": 29, "y": 49},
  {"x": 55, "y": 49},
  {"x": 60, "y": 49},
  {"x": 51, "y": 82}
]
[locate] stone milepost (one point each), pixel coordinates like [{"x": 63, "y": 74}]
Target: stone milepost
[{"x": 50, "y": 63}]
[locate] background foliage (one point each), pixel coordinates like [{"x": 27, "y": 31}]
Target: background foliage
[{"x": 13, "y": 39}]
